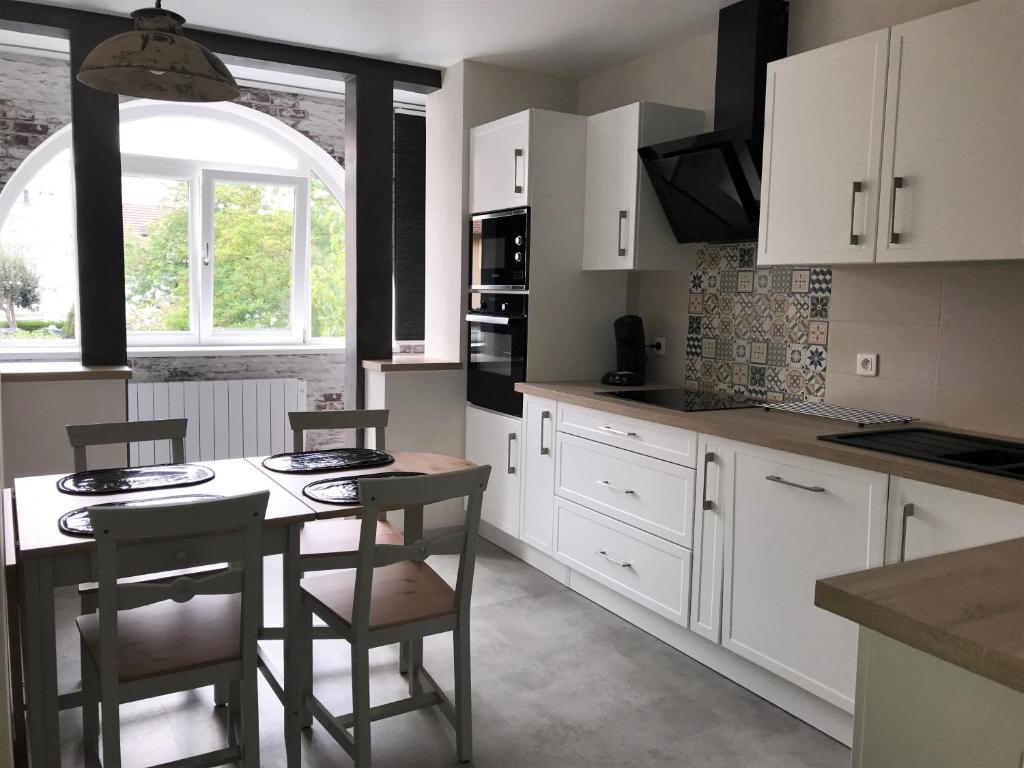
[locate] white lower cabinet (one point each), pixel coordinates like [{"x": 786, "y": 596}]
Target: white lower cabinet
[
  {"x": 714, "y": 495},
  {"x": 647, "y": 569},
  {"x": 927, "y": 520},
  {"x": 494, "y": 438},
  {"x": 790, "y": 521},
  {"x": 537, "y": 509}
]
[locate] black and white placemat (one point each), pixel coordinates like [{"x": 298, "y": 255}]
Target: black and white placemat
[
  {"x": 344, "y": 490},
  {"x": 858, "y": 416},
  {"x": 77, "y": 523},
  {"x": 337, "y": 459},
  {"x": 97, "y": 482}
]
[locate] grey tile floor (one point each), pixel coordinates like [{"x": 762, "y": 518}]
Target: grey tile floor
[{"x": 558, "y": 682}]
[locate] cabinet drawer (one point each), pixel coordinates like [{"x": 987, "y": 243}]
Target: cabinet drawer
[
  {"x": 668, "y": 443},
  {"x": 650, "y": 494},
  {"x": 644, "y": 568}
]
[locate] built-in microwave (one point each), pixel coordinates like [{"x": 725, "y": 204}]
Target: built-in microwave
[
  {"x": 500, "y": 251},
  {"x": 497, "y": 351}
]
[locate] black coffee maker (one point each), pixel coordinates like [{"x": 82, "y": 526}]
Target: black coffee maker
[{"x": 630, "y": 353}]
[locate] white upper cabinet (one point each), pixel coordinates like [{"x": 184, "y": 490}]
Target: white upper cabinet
[
  {"x": 822, "y": 154},
  {"x": 953, "y": 157},
  {"x": 903, "y": 145},
  {"x": 499, "y": 164},
  {"x": 624, "y": 225}
]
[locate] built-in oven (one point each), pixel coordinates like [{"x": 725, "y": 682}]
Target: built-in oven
[
  {"x": 499, "y": 259},
  {"x": 497, "y": 351}
]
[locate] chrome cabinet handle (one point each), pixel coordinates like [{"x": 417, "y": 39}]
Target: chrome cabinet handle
[
  {"x": 608, "y": 484},
  {"x": 908, "y": 512},
  {"x": 472, "y": 317},
  {"x": 610, "y": 559},
  {"x": 706, "y": 504},
  {"x": 517, "y": 156},
  {"x": 511, "y": 441},
  {"x": 855, "y": 188},
  {"x": 623, "y": 215},
  {"x": 894, "y": 236},
  {"x": 619, "y": 432},
  {"x": 544, "y": 416},
  {"x": 811, "y": 488}
]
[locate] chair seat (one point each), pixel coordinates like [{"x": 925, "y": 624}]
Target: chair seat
[
  {"x": 91, "y": 587},
  {"x": 330, "y": 537},
  {"x": 402, "y": 593},
  {"x": 168, "y": 637}
]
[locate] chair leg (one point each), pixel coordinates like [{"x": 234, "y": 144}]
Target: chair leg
[
  {"x": 361, "y": 704},
  {"x": 415, "y": 661},
  {"x": 220, "y": 694},
  {"x": 302, "y": 648},
  {"x": 463, "y": 695},
  {"x": 111, "y": 729},
  {"x": 234, "y": 711},
  {"x": 403, "y": 657},
  {"x": 90, "y": 702},
  {"x": 251, "y": 721}
]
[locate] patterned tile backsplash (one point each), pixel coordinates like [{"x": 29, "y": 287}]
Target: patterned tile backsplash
[{"x": 759, "y": 332}]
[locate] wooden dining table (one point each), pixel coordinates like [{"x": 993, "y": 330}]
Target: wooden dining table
[{"x": 48, "y": 559}]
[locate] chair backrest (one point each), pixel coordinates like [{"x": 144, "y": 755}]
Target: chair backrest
[
  {"x": 379, "y": 496},
  {"x": 234, "y": 524},
  {"x": 83, "y": 435},
  {"x": 303, "y": 421}
]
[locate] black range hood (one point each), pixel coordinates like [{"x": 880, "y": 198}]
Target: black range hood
[{"x": 709, "y": 184}]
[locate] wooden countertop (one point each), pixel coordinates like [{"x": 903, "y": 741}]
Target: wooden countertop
[
  {"x": 964, "y": 607},
  {"x": 411, "y": 363},
  {"x": 785, "y": 432},
  {"x": 61, "y": 371}
]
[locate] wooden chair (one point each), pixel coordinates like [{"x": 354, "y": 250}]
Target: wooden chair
[
  {"x": 81, "y": 436},
  {"x": 305, "y": 421},
  {"x": 153, "y": 638},
  {"x": 394, "y": 596}
]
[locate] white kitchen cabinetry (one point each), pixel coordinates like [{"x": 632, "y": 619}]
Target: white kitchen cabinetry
[
  {"x": 822, "y": 154},
  {"x": 537, "y": 515},
  {"x": 790, "y": 521},
  {"x": 624, "y": 226},
  {"x": 714, "y": 496},
  {"x": 494, "y": 438},
  {"x": 953, "y": 155},
  {"x": 937, "y": 520},
  {"x": 499, "y": 164}
]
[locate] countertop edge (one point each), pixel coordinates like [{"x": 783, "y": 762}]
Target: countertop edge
[
  {"x": 19, "y": 372},
  {"x": 728, "y": 425},
  {"x": 400, "y": 363}
]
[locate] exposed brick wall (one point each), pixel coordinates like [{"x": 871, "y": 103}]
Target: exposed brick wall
[
  {"x": 35, "y": 102},
  {"x": 320, "y": 120}
]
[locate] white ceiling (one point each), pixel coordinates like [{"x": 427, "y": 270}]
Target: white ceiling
[{"x": 570, "y": 38}]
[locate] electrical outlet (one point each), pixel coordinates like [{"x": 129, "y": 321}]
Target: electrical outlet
[
  {"x": 867, "y": 364},
  {"x": 658, "y": 347}
]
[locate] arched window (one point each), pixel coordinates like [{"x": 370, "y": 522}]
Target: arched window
[{"x": 234, "y": 230}]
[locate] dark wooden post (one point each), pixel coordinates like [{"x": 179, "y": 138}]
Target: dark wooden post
[{"x": 95, "y": 122}]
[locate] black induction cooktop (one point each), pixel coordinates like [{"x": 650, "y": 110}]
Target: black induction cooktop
[
  {"x": 681, "y": 400},
  {"x": 982, "y": 454}
]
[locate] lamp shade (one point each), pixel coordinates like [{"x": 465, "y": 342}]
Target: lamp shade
[{"x": 155, "y": 61}]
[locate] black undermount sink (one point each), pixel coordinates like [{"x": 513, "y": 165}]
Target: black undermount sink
[{"x": 983, "y": 454}]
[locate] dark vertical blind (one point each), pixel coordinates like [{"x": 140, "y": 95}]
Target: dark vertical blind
[{"x": 410, "y": 179}]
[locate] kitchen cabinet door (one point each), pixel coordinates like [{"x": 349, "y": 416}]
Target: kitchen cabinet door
[
  {"x": 494, "y": 438},
  {"x": 537, "y": 516},
  {"x": 822, "y": 154},
  {"x": 953, "y": 155},
  {"x": 792, "y": 521},
  {"x": 714, "y": 496},
  {"x": 938, "y": 520},
  {"x": 499, "y": 164}
]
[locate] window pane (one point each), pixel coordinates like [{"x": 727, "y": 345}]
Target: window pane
[
  {"x": 156, "y": 229},
  {"x": 203, "y": 139},
  {"x": 252, "y": 256},
  {"x": 327, "y": 261},
  {"x": 38, "y": 265}
]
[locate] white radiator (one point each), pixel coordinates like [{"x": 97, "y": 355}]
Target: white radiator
[{"x": 226, "y": 419}]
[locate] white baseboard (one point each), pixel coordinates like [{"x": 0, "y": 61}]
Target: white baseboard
[{"x": 827, "y": 718}]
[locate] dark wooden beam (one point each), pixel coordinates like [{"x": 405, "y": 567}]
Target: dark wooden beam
[
  {"x": 95, "y": 142},
  {"x": 369, "y": 166},
  {"x": 405, "y": 76}
]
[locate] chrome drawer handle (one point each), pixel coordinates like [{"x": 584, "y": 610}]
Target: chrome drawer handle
[
  {"x": 706, "y": 504},
  {"x": 610, "y": 559},
  {"x": 608, "y": 484},
  {"x": 908, "y": 512},
  {"x": 511, "y": 441},
  {"x": 619, "y": 432},
  {"x": 811, "y": 488}
]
